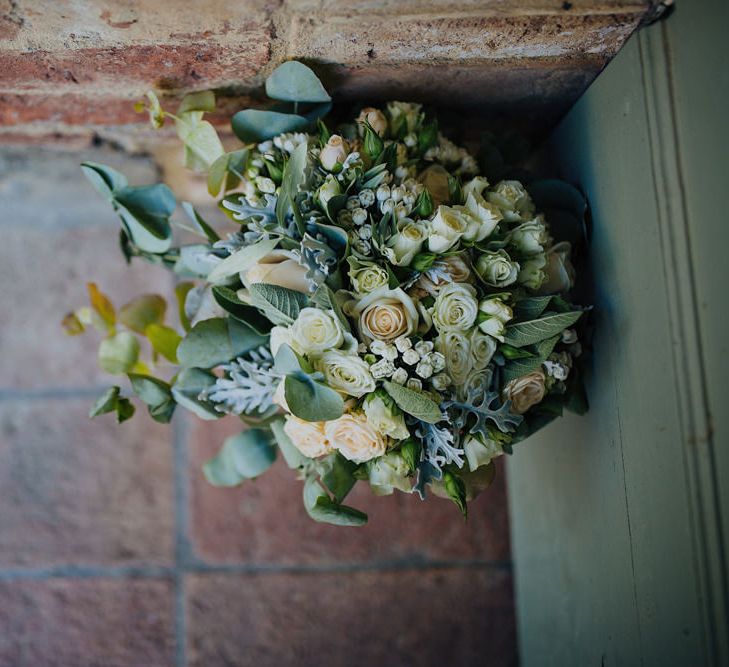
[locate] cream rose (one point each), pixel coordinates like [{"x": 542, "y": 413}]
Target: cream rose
[
  {"x": 385, "y": 416},
  {"x": 375, "y": 118},
  {"x": 532, "y": 274},
  {"x": 384, "y": 314},
  {"x": 316, "y": 331},
  {"x": 497, "y": 269},
  {"x": 389, "y": 472},
  {"x": 346, "y": 373},
  {"x": 281, "y": 336},
  {"x": 559, "y": 270},
  {"x": 355, "y": 438},
  {"x": 530, "y": 237},
  {"x": 455, "y": 307},
  {"x": 475, "y": 385},
  {"x": 366, "y": 277},
  {"x": 513, "y": 200},
  {"x": 308, "y": 437},
  {"x": 334, "y": 152},
  {"x": 407, "y": 242},
  {"x": 330, "y": 188},
  {"x": 483, "y": 347},
  {"x": 448, "y": 269},
  {"x": 446, "y": 228},
  {"x": 279, "y": 267},
  {"x": 456, "y": 348},
  {"x": 525, "y": 392}
]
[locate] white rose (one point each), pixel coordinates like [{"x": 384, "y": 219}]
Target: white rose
[
  {"x": 526, "y": 391},
  {"x": 308, "y": 437},
  {"x": 476, "y": 384},
  {"x": 493, "y": 327},
  {"x": 279, "y": 267},
  {"x": 387, "y": 473},
  {"x": 334, "y": 152},
  {"x": 483, "y": 347},
  {"x": 487, "y": 214},
  {"x": 366, "y": 277},
  {"x": 530, "y": 237},
  {"x": 495, "y": 307},
  {"x": 384, "y": 314},
  {"x": 446, "y": 228},
  {"x": 407, "y": 242},
  {"x": 448, "y": 269},
  {"x": 385, "y": 416},
  {"x": 330, "y": 188},
  {"x": 405, "y": 114},
  {"x": 497, "y": 269},
  {"x": 456, "y": 348},
  {"x": 281, "y": 336},
  {"x": 355, "y": 438},
  {"x": 375, "y": 118},
  {"x": 316, "y": 331},
  {"x": 532, "y": 274},
  {"x": 346, "y": 373},
  {"x": 455, "y": 307},
  {"x": 513, "y": 200},
  {"x": 559, "y": 270},
  {"x": 479, "y": 454}
]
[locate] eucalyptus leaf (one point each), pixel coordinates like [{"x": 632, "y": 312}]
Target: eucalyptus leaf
[
  {"x": 229, "y": 301},
  {"x": 323, "y": 509},
  {"x": 164, "y": 340},
  {"x": 280, "y": 304},
  {"x": 139, "y": 313},
  {"x": 210, "y": 234},
  {"x": 106, "y": 402},
  {"x": 534, "y": 331},
  {"x": 253, "y": 126},
  {"x": 118, "y": 353},
  {"x": 293, "y": 81},
  {"x": 293, "y": 457},
  {"x": 294, "y": 176},
  {"x": 242, "y": 260},
  {"x": 200, "y": 101},
  {"x": 145, "y": 210},
  {"x": 199, "y": 137},
  {"x": 156, "y": 394},
  {"x": 216, "y": 341},
  {"x": 325, "y": 298},
  {"x": 310, "y": 400},
  {"x": 242, "y": 456},
  {"x": 105, "y": 179},
  {"x": 414, "y": 403},
  {"x": 289, "y": 362},
  {"x": 227, "y": 171},
  {"x": 338, "y": 476},
  {"x": 186, "y": 390}
]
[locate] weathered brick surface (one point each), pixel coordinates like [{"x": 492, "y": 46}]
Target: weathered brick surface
[
  {"x": 485, "y": 54},
  {"x": 74, "y": 623},
  {"x": 81, "y": 492},
  {"x": 264, "y": 521},
  {"x": 58, "y": 233},
  {"x": 359, "y": 619}
]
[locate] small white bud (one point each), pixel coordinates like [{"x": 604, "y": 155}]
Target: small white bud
[
  {"x": 359, "y": 215},
  {"x": 382, "y": 369},
  {"x": 390, "y": 352},
  {"x": 408, "y": 200},
  {"x": 365, "y": 232},
  {"x": 440, "y": 381},
  {"x": 424, "y": 370},
  {"x": 403, "y": 343},
  {"x": 437, "y": 360},
  {"x": 352, "y": 203},
  {"x": 265, "y": 184},
  {"x": 387, "y": 206},
  {"x": 401, "y": 211},
  {"x": 410, "y": 140},
  {"x": 410, "y": 357},
  {"x": 361, "y": 348},
  {"x": 378, "y": 347},
  {"x": 383, "y": 193},
  {"x": 366, "y": 198},
  {"x": 397, "y": 193},
  {"x": 423, "y": 347},
  {"x": 415, "y": 384},
  {"x": 400, "y": 376},
  {"x": 401, "y": 172}
]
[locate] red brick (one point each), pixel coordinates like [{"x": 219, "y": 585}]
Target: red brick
[
  {"x": 448, "y": 617},
  {"x": 76, "y": 491},
  {"x": 69, "y": 623},
  {"x": 264, "y": 521}
]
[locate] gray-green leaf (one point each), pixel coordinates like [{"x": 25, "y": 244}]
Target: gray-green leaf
[
  {"x": 242, "y": 456},
  {"x": 310, "y": 400},
  {"x": 215, "y": 341},
  {"x": 293, "y": 81},
  {"x": 414, "y": 403},
  {"x": 280, "y": 304},
  {"x": 242, "y": 260},
  {"x": 534, "y": 331},
  {"x": 253, "y": 125}
]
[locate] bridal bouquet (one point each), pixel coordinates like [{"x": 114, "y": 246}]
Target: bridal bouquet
[{"x": 381, "y": 313}]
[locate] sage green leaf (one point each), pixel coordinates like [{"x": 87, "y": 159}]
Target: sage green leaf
[
  {"x": 118, "y": 353},
  {"x": 124, "y": 410},
  {"x": 243, "y": 456},
  {"x": 164, "y": 340},
  {"x": 199, "y": 137},
  {"x": 280, "y": 304},
  {"x": 293, "y": 457},
  {"x": 320, "y": 507},
  {"x": 203, "y": 100},
  {"x": 216, "y": 341},
  {"x": 253, "y": 126},
  {"x": 335, "y": 236},
  {"x": 229, "y": 301},
  {"x": 105, "y": 179},
  {"x": 414, "y": 403},
  {"x": 181, "y": 290},
  {"x": 156, "y": 394},
  {"x": 310, "y": 400},
  {"x": 518, "y": 367},
  {"x": 139, "y": 313},
  {"x": 186, "y": 390},
  {"x": 145, "y": 210},
  {"x": 534, "y": 331},
  {"x": 338, "y": 475},
  {"x": 105, "y": 403},
  {"x": 210, "y": 234},
  {"x": 456, "y": 490},
  {"x": 294, "y": 176},
  {"x": 289, "y": 362},
  {"x": 317, "y": 112},
  {"x": 226, "y": 172},
  {"x": 242, "y": 260},
  {"x": 195, "y": 260},
  {"x": 293, "y": 81},
  {"x": 531, "y": 307}
]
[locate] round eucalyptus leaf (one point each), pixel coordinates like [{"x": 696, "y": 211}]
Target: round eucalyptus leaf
[
  {"x": 105, "y": 179},
  {"x": 118, "y": 353},
  {"x": 254, "y": 125},
  {"x": 293, "y": 81},
  {"x": 310, "y": 400},
  {"x": 242, "y": 456}
]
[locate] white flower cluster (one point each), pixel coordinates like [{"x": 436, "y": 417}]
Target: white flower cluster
[{"x": 402, "y": 357}]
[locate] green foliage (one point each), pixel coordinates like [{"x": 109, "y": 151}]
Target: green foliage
[
  {"x": 186, "y": 390},
  {"x": 164, "y": 340},
  {"x": 102, "y": 305},
  {"x": 243, "y": 456},
  {"x": 531, "y": 307},
  {"x": 411, "y": 451},
  {"x": 515, "y": 368},
  {"x": 242, "y": 260},
  {"x": 181, "y": 290},
  {"x": 293, "y": 81},
  {"x": 139, "y": 313},
  {"x": 112, "y": 401},
  {"x": 227, "y": 171},
  {"x": 228, "y": 300},
  {"x": 280, "y": 304},
  {"x": 456, "y": 490},
  {"x": 119, "y": 353},
  {"x": 534, "y": 331},
  {"x": 202, "y": 144},
  {"x": 294, "y": 176},
  {"x": 156, "y": 394},
  {"x": 253, "y": 126},
  {"x": 320, "y": 507},
  {"x": 414, "y": 403},
  {"x": 337, "y": 474},
  {"x": 311, "y": 400},
  {"x": 210, "y": 234},
  {"x": 216, "y": 341}
]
